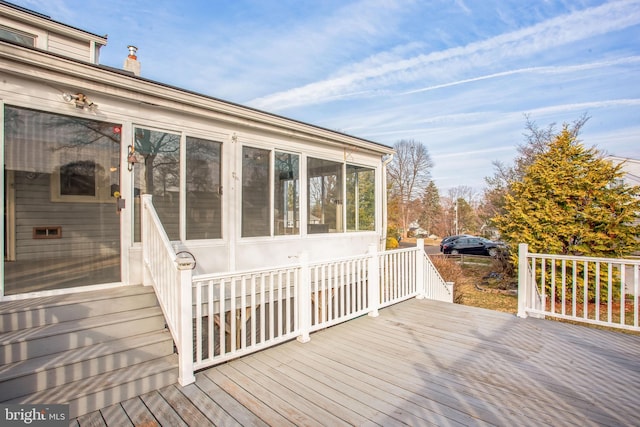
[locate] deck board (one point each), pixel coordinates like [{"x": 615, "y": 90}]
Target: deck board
[
  {"x": 115, "y": 416},
  {"x": 162, "y": 410},
  {"x": 238, "y": 413},
  {"x": 185, "y": 408},
  {"x": 419, "y": 363},
  {"x": 138, "y": 413},
  {"x": 209, "y": 408}
]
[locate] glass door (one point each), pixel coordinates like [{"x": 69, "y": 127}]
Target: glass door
[{"x": 62, "y": 178}]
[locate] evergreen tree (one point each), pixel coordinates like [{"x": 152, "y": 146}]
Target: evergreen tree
[
  {"x": 572, "y": 201},
  {"x": 431, "y": 209}
]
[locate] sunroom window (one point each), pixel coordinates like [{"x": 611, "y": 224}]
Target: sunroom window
[
  {"x": 204, "y": 191},
  {"x": 360, "y": 198},
  {"x": 158, "y": 173},
  {"x": 286, "y": 190},
  {"x": 325, "y": 194},
  {"x": 255, "y": 192}
]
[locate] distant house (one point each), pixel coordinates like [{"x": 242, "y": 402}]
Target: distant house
[
  {"x": 631, "y": 168},
  {"x": 237, "y": 187}
]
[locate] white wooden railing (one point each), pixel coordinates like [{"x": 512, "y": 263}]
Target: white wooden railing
[
  {"x": 435, "y": 288},
  {"x": 238, "y": 313},
  {"x": 171, "y": 282},
  {"x": 601, "y": 291},
  {"x": 217, "y": 317}
]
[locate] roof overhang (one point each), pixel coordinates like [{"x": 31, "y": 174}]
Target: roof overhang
[{"x": 62, "y": 71}]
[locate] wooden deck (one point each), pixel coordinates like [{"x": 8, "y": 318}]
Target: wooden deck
[{"x": 419, "y": 363}]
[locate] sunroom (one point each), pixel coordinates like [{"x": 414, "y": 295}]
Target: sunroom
[{"x": 234, "y": 187}]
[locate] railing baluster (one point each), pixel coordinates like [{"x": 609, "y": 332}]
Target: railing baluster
[
  {"x": 610, "y": 293},
  {"x": 564, "y": 286},
  {"x": 262, "y": 309},
  {"x": 543, "y": 285},
  {"x": 222, "y": 317},
  {"x": 597, "y": 308},
  {"x": 553, "y": 286},
  {"x": 210, "y": 317},
  {"x": 288, "y": 303},
  {"x": 252, "y": 313},
  {"x": 279, "y": 327},
  {"x": 585, "y": 301},
  {"x": 636, "y": 295},
  {"x": 271, "y": 306},
  {"x": 198, "y": 321}
]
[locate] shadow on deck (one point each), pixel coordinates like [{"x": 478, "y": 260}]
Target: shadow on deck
[{"x": 419, "y": 363}]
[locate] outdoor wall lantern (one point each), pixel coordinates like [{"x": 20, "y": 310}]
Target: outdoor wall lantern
[
  {"x": 131, "y": 158},
  {"x": 185, "y": 260},
  {"x": 80, "y": 100}
]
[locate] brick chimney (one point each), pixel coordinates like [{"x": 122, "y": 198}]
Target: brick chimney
[{"x": 131, "y": 63}]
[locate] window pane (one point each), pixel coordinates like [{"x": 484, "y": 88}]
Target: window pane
[
  {"x": 360, "y": 198},
  {"x": 325, "y": 196},
  {"x": 158, "y": 174},
  {"x": 204, "y": 205},
  {"x": 255, "y": 192},
  {"x": 78, "y": 178},
  {"x": 16, "y": 37},
  {"x": 286, "y": 209}
]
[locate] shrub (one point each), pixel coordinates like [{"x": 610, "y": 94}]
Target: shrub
[{"x": 392, "y": 243}]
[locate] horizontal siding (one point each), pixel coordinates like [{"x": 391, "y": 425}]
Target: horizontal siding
[
  {"x": 88, "y": 229},
  {"x": 69, "y": 47}
]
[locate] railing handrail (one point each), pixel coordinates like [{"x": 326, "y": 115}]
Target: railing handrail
[
  {"x": 172, "y": 286},
  {"x": 435, "y": 270},
  {"x": 147, "y": 205},
  {"x": 213, "y": 276},
  {"x": 630, "y": 260}
]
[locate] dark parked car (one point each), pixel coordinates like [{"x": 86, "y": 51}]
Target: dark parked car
[
  {"x": 473, "y": 246},
  {"x": 451, "y": 239}
]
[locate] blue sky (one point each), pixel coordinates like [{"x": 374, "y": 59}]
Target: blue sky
[{"x": 458, "y": 75}]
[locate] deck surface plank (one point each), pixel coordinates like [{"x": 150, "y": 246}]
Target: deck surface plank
[
  {"x": 239, "y": 413},
  {"x": 92, "y": 419},
  {"x": 246, "y": 398},
  {"x": 184, "y": 407},
  {"x": 161, "y": 409},
  {"x": 208, "y": 406},
  {"x": 419, "y": 363},
  {"x": 115, "y": 416},
  {"x": 138, "y": 413}
]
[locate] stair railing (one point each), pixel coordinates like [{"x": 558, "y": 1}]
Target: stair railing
[{"x": 171, "y": 280}]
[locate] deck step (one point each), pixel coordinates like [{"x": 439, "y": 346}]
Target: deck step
[
  {"x": 30, "y": 313},
  {"x": 88, "y": 349},
  {"x": 58, "y": 337},
  {"x": 40, "y": 373},
  {"x": 99, "y": 391}
]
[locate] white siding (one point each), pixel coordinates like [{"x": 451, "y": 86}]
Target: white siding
[{"x": 69, "y": 47}]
